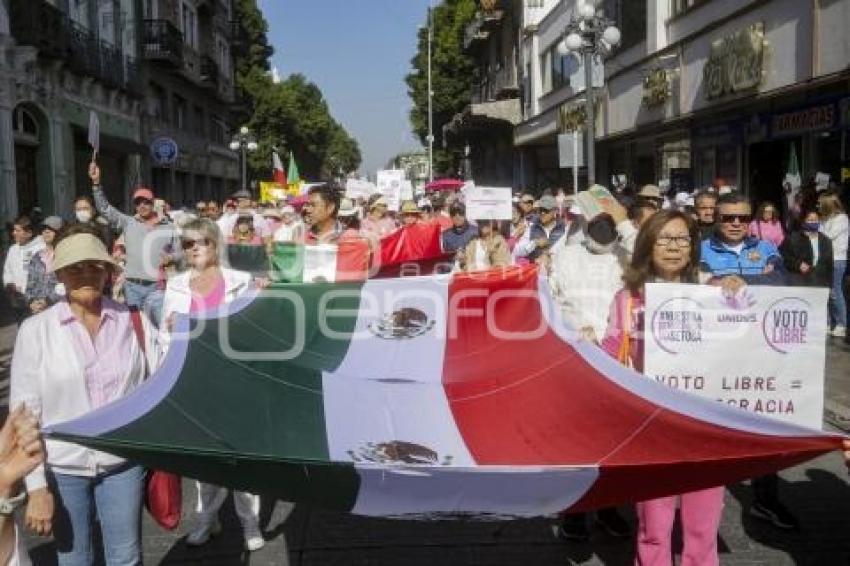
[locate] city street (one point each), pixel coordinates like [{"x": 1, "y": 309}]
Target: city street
[{"x": 819, "y": 492}]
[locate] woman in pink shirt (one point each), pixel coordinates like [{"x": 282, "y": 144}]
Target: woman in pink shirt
[
  {"x": 666, "y": 250},
  {"x": 205, "y": 286},
  {"x": 767, "y": 225},
  {"x": 82, "y": 353}
]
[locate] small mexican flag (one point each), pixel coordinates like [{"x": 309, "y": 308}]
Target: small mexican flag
[
  {"x": 293, "y": 180},
  {"x": 347, "y": 260}
]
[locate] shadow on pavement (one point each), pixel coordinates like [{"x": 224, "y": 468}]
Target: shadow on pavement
[{"x": 821, "y": 503}]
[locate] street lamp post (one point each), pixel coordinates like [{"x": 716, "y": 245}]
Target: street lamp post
[
  {"x": 244, "y": 142},
  {"x": 430, "y": 99},
  {"x": 589, "y": 35}
]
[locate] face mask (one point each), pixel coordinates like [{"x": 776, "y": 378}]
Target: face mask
[
  {"x": 811, "y": 226},
  {"x": 83, "y": 215}
]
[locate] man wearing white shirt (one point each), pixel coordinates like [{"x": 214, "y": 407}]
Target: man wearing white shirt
[{"x": 243, "y": 208}]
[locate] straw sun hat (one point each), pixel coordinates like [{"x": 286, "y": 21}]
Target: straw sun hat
[{"x": 81, "y": 247}]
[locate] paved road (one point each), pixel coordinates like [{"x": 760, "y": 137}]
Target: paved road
[{"x": 819, "y": 492}]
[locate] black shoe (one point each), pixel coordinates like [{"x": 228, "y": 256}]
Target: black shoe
[
  {"x": 613, "y": 523},
  {"x": 574, "y": 528},
  {"x": 776, "y": 513}
]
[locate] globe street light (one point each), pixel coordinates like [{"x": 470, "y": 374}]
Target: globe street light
[
  {"x": 590, "y": 35},
  {"x": 244, "y": 141}
]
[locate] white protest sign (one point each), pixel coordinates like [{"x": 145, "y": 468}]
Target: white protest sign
[
  {"x": 406, "y": 190},
  {"x": 389, "y": 185},
  {"x": 94, "y": 132},
  {"x": 822, "y": 181},
  {"x": 762, "y": 350},
  {"x": 319, "y": 263},
  {"x": 359, "y": 188},
  {"x": 488, "y": 203}
]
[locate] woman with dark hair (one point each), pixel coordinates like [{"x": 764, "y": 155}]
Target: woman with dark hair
[
  {"x": 807, "y": 253},
  {"x": 767, "y": 225},
  {"x": 666, "y": 250},
  {"x": 86, "y": 214}
]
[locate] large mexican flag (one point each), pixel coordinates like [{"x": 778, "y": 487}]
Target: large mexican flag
[{"x": 426, "y": 397}]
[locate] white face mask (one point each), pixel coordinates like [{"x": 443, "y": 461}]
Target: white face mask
[{"x": 83, "y": 215}]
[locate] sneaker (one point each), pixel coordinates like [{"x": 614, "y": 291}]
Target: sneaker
[
  {"x": 202, "y": 533},
  {"x": 573, "y": 527},
  {"x": 839, "y": 332},
  {"x": 613, "y": 523},
  {"x": 254, "y": 541},
  {"x": 776, "y": 513}
]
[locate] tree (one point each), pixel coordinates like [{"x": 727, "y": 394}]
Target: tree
[
  {"x": 288, "y": 116},
  {"x": 451, "y": 78}
]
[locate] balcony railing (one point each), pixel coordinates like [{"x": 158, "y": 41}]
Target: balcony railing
[
  {"x": 498, "y": 85},
  {"x": 163, "y": 42},
  {"x": 41, "y": 25}
]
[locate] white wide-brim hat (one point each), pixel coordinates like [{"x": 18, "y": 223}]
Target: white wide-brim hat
[{"x": 80, "y": 247}]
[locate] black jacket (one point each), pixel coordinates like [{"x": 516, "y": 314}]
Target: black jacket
[{"x": 797, "y": 249}]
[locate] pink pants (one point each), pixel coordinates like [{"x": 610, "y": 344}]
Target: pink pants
[{"x": 700, "y": 512}]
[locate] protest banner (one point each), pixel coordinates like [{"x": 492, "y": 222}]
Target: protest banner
[
  {"x": 94, "y": 133},
  {"x": 389, "y": 185},
  {"x": 762, "y": 350},
  {"x": 359, "y": 188},
  {"x": 488, "y": 203}
]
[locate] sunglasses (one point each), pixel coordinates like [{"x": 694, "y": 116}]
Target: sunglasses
[
  {"x": 733, "y": 218},
  {"x": 82, "y": 266},
  {"x": 189, "y": 244}
]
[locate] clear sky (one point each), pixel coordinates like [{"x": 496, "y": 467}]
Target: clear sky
[{"x": 358, "y": 52}]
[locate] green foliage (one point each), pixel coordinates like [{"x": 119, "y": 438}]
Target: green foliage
[
  {"x": 291, "y": 115},
  {"x": 451, "y": 78}
]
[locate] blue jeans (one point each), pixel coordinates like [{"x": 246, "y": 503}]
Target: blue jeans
[
  {"x": 136, "y": 294},
  {"x": 116, "y": 497},
  {"x": 837, "y": 301}
]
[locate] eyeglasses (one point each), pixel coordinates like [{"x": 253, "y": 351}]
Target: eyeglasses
[
  {"x": 527, "y": 201},
  {"x": 140, "y": 201},
  {"x": 733, "y": 218},
  {"x": 82, "y": 266},
  {"x": 680, "y": 241},
  {"x": 189, "y": 244}
]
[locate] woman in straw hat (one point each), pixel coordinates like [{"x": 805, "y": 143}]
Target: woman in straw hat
[{"x": 74, "y": 357}]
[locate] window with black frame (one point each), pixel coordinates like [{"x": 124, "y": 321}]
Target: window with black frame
[{"x": 630, "y": 17}]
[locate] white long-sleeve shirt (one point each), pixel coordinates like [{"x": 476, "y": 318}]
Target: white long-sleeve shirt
[
  {"x": 17, "y": 263},
  {"x": 836, "y": 228},
  {"x": 584, "y": 284}
]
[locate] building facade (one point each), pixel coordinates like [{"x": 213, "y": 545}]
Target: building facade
[
  {"x": 486, "y": 125},
  {"x": 58, "y": 62},
  {"x": 190, "y": 105},
  {"x": 698, "y": 91},
  {"x": 138, "y": 65}
]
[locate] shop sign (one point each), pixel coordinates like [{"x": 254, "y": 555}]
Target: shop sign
[
  {"x": 656, "y": 88},
  {"x": 807, "y": 120},
  {"x": 164, "y": 151},
  {"x": 735, "y": 62},
  {"x": 572, "y": 117}
]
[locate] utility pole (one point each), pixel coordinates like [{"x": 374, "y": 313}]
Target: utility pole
[{"x": 430, "y": 99}]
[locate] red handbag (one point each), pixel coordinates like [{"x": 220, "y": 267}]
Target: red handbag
[
  {"x": 164, "y": 498},
  {"x": 163, "y": 490}
]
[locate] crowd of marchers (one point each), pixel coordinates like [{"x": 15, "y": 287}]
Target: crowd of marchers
[{"x": 91, "y": 303}]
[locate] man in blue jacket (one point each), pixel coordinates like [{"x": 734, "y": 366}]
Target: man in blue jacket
[{"x": 732, "y": 251}]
